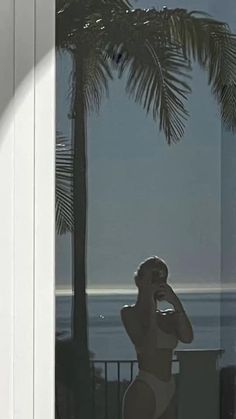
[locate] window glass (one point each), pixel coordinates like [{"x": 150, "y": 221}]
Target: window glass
[{"x": 127, "y": 191}]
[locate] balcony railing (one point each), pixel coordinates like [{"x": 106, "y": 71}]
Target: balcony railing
[
  {"x": 116, "y": 386},
  {"x": 197, "y": 384},
  {"x": 108, "y": 391}
]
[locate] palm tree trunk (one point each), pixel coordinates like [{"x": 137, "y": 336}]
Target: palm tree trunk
[{"x": 82, "y": 382}]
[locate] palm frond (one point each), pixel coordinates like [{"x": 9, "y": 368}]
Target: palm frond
[
  {"x": 157, "y": 48},
  {"x": 213, "y": 46},
  {"x": 158, "y": 72},
  {"x": 64, "y": 185},
  {"x": 96, "y": 76},
  {"x": 105, "y": 6},
  {"x": 74, "y": 18}
]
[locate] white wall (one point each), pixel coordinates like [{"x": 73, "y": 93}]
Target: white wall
[{"x": 27, "y": 113}]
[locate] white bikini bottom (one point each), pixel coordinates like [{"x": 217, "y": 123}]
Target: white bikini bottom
[{"x": 163, "y": 390}]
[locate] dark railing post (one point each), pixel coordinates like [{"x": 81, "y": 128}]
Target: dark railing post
[
  {"x": 94, "y": 389},
  {"x": 106, "y": 392},
  {"x": 118, "y": 388},
  {"x": 131, "y": 370}
]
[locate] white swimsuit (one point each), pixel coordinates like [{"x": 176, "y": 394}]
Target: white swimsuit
[{"x": 163, "y": 390}]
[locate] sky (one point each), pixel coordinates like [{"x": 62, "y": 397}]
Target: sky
[{"x": 144, "y": 197}]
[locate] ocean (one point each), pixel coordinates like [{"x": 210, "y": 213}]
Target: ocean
[{"x": 213, "y": 317}]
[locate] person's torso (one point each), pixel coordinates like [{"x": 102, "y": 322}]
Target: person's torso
[{"x": 156, "y": 354}]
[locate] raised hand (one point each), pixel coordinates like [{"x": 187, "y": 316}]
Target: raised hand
[{"x": 165, "y": 292}]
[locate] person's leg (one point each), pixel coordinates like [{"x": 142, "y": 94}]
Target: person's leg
[{"x": 138, "y": 402}]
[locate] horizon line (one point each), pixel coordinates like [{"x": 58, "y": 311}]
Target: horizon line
[{"x": 67, "y": 291}]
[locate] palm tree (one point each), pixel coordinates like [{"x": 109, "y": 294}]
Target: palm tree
[
  {"x": 64, "y": 185},
  {"x": 155, "y": 49}
]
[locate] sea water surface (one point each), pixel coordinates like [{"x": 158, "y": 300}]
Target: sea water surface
[{"x": 213, "y": 317}]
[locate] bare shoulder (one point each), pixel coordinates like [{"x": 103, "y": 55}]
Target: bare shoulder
[{"x": 126, "y": 310}]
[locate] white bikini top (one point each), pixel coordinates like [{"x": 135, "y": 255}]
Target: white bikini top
[{"x": 164, "y": 340}]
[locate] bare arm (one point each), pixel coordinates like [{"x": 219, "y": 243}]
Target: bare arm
[
  {"x": 183, "y": 325},
  {"x": 139, "y": 321},
  {"x": 180, "y": 321}
]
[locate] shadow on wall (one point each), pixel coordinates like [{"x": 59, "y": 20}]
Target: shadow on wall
[{"x": 22, "y": 48}]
